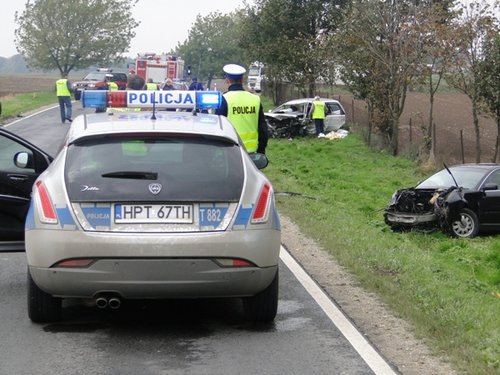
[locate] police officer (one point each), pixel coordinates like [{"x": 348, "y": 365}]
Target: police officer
[
  {"x": 244, "y": 110},
  {"x": 150, "y": 85},
  {"x": 63, "y": 92},
  {"x": 318, "y": 114},
  {"x": 112, "y": 86}
]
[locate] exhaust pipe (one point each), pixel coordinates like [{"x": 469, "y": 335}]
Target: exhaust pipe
[
  {"x": 101, "y": 302},
  {"x": 114, "y": 303}
]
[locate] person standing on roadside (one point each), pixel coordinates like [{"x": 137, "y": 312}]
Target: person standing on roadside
[
  {"x": 63, "y": 92},
  {"x": 150, "y": 85},
  {"x": 112, "y": 86},
  {"x": 169, "y": 85},
  {"x": 318, "y": 114},
  {"x": 195, "y": 85},
  {"x": 244, "y": 110}
]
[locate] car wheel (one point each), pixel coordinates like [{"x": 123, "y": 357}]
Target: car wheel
[
  {"x": 77, "y": 95},
  {"x": 467, "y": 226},
  {"x": 42, "y": 307},
  {"x": 263, "y": 306}
]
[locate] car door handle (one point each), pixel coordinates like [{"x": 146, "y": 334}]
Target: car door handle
[{"x": 18, "y": 177}]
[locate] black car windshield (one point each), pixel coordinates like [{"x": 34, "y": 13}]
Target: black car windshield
[
  {"x": 468, "y": 178},
  {"x": 122, "y": 167}
]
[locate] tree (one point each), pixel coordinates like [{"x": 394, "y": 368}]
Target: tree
[
  {"x": 438, "y": 51},
  {"x": 212, "y": 42},
  {"x": 290, "y": 38},
  {"x": 383, "y": 41},
  {"x": 489, "y": 83},
  {"x": 74, "y": 34},
  {"x": 476, "y": 25}
]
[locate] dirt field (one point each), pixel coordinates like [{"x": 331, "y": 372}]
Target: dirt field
[
  {"x": 14, "y": 84},
  {"x": 453, "y": 120},
  {"x": 452, "y": 114}
]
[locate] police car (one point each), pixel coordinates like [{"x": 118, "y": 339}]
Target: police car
[{"x": 146, "y": 204}]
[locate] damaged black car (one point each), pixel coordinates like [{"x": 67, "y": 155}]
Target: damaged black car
[{"x": 461, "y": 200}]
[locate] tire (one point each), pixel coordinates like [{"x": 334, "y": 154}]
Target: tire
[
  {"x": 42, "y": 307},
  {"x": 467, "y": 226},
  {"x": 78, "y": 95},
  {"x": 263, "y": 306}
]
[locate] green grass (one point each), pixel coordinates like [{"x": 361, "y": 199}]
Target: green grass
[
  {"x": 13, "y": 105},
  {"x": 447, "y": 288}
]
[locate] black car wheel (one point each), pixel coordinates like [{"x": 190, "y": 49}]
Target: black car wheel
[
  {"x": 78, "y": 94},
  {"x": 467, "y": 226},
  {"x": 42, "y": 307},
  {"x": 263, "y": 306}
]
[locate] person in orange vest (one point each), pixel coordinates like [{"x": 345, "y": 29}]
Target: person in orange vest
[{"x": 63, "y": 92}]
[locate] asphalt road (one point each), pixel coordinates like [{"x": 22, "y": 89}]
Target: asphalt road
[{"x": 172, "y": 337}]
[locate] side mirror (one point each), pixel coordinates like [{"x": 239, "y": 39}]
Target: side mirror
[
  {"x": 23, "y": 159},
  {"x": 260, "y": 160},
  {"x": 490, "y": 186}
]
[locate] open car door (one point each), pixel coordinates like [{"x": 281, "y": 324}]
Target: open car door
[{"x": 21, "y": 163}]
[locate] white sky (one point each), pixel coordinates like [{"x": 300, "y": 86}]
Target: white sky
[{"x": 164, "y": 23}]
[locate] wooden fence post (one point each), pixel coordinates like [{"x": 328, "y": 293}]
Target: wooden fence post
[{"x": 462, "y": 145}]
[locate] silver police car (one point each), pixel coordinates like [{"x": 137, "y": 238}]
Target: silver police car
[{"x": 149, "y": 205}]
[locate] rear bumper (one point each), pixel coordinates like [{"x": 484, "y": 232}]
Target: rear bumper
[{"x": 153, "y": 278}]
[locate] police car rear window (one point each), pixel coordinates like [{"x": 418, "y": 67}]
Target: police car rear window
[{"x": 189, "y": 169}]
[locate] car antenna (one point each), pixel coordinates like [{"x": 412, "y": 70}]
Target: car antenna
[
  {"x": 153, "y": 116},
  {"x": 451, "y": 174}
]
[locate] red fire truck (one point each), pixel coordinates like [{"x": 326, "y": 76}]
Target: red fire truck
[{"x": 159, "y": 67}]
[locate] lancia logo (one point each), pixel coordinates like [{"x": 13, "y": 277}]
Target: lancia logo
[{"x": 155, "y": 188}]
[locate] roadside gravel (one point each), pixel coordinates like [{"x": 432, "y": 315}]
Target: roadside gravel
[{"x": 391, "y": 335}]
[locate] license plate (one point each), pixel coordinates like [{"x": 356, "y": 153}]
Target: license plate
[{"x": 154, "y": 213}]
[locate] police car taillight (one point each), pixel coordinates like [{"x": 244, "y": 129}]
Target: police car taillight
[
  {"x": 261, "y": 212},
  {"x": 202, "y": 100},
  {"x": 47, "y": 213}
]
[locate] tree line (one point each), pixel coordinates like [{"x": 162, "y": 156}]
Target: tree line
[{"x": 378, "y": 48}]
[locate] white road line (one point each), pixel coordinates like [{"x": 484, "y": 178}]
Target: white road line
[
  {"x": 359, "y": 343},
  {"x": 33, "y": 114}
]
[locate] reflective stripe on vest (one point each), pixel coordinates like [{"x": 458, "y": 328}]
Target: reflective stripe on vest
[
  {"x": 112, "y": 86},
  {"x": 319, "y": 109},
  {"x": 243, "y": 112},
  {"x": 151, "y": 86},
  {"x": 62, "y": 87}
]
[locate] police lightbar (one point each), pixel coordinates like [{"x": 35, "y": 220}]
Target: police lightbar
[{"x": 148, "y": 99}]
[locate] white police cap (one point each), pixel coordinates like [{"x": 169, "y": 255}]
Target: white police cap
[{"x": 234, "y": 70}]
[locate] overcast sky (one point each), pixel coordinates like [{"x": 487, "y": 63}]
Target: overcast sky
[{"x": 164, "y": 23}]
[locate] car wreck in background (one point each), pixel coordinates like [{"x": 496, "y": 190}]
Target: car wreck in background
[
  {"x": 292, "y": 119},
  {"x": 460, "y": 200}
]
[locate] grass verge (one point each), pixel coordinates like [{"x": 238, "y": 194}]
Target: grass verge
[
  {"x": 13, "y": 105},
  {"x": 447, "y": 288}
]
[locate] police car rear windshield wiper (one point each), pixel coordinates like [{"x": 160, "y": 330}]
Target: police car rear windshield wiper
[{"x": 133, "y": 175}]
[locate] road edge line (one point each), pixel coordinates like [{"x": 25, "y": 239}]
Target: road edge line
[
  {"x": 33, "y": 114},
  {"x": 367, "y": 352}
]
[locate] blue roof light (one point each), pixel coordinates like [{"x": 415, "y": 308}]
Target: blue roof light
[
  {"x": 208, "y": 99},
  {"x": 94, "y": 99}
]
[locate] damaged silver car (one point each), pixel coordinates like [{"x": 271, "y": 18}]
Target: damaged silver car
[
  {"x": 292, "y": 119},
  {"x": 461, "y": 200}
]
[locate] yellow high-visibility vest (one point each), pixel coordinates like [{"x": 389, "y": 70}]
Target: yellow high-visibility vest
[
  {"x": 112, "y": 86},
  {"x": 243, "y": 112},
  {"x": 62, "y": 87},
  {"x": 319, "y": 109},
  {"x": 151, "y": 86}
]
